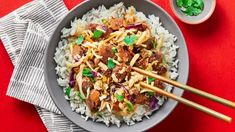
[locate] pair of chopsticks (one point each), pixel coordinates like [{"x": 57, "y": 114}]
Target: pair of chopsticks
[{"x": 183, "y": 100}]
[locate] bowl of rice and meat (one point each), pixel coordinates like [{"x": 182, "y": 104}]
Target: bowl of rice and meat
[{"x": 89, "y": 59}]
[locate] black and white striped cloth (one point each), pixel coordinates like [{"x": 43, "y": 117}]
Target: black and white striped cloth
[{"x": 25, "y": 34}]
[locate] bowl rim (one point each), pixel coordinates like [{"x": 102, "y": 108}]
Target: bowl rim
[
  {"x": 206, "y": 17},
  {"x": 180, "y": 93}
]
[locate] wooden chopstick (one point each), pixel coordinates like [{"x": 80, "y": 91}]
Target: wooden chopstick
[
  {"x": 188, "y": 88},
  {"x": 188, "y": 102}
]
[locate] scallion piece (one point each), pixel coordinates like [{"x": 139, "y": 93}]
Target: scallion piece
[
  {"x": 67, "y": 91},
  {"x": 80, "y": 40},
  {"x": 80, "y": 96},
  {"x": 111, "y": 64},
  {"x": 150, "y": 80},
  {"x": 97, "y": 34},
  {"x": 119, "y": 97},
  {"x": 87, "y": 72},
  {"x": 129, "y": 105}
]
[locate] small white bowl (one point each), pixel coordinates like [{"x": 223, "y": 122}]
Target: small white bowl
[{"x": 209, "y": 7}]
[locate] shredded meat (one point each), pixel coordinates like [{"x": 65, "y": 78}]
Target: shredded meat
[
  {"x": 106, "y": 52},
  {"x": 136, "y": 50},
  {"x": 93, "y": 100},
  {"x": 86, "y": 83}
]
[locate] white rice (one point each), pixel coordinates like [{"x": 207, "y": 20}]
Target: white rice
[{"x": 62, "y": 58}]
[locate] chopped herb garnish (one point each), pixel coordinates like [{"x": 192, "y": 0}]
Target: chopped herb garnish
[
  {"x": 130, "y": 40},
  {"x": 190, "y": 7},
  {"x": 129, "y": 105},
  {"x": 150, "y": 94},
  {"x": 87, "y": 72},
  {"x": 114, "y": 49},
  {"x": 67, "y": 91},
  {"x": 97, "y": 34},
  {"x": 80, "y": 96},
  {"x": 80, "y": 40},
  {"x": 150, "y": 80},
  {"x": 111, "y": 64},
  {"x": 119, "y": 97}
]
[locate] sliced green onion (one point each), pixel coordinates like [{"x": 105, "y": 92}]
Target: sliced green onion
[
  {"x": 130, "y": 40},
  {"x": 111, "y": 64},
  {"x": 150, "y": 80},
  {"x": 80, "y": 96},
  {"x": 119, "y": 97},
  {"x": 87, "y": 72},
  {"x": 80, "y": 40},
  {"x": 129, "y": 105},
  {"x": 67, "y": 91},
  {"x": 97, "y": 34},
  {"x": 150, "y": 94}
]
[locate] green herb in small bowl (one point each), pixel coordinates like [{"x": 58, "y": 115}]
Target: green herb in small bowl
[{"x": 190, "y": 7}]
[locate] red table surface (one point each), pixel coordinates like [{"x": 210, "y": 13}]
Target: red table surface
[{"x": 212, "y": 58}]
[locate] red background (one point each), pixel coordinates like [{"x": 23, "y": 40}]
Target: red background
[{"x": 211, "y": 50}]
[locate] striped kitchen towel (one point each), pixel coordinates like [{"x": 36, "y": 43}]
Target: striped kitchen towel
[{"x": 25, "y": 34}]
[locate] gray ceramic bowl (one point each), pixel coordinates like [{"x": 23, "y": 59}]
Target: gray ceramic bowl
[
  {"x": 209, "y": 7},
  {"x": 57, "y": 93}
]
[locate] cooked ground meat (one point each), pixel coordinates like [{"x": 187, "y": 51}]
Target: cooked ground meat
[
  {"x": 142, "y": 62},
  {"x": 77, "y": 50},
  {"x": 116, "y": 107},
  {"x": 107, "y": 33},
  {"x": 117, "y": 23},
  {"x": 106, "y": 52},
  {"x": 92, "y": 26},
  {"x": 155, "y": 56},
  {"x": 93, "y": 100},
  {"x": 158, "y": 83},
  {"x": 160, "y": 69},
  {"x": 108, "y": 72},
  {"x": 149, "y": 43},
  {"x": 125, "y": 54},
  {"x": 140, "y": 98},
  {"x": 120, "y": 73},
  {"x": 86, "y": 83}
]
